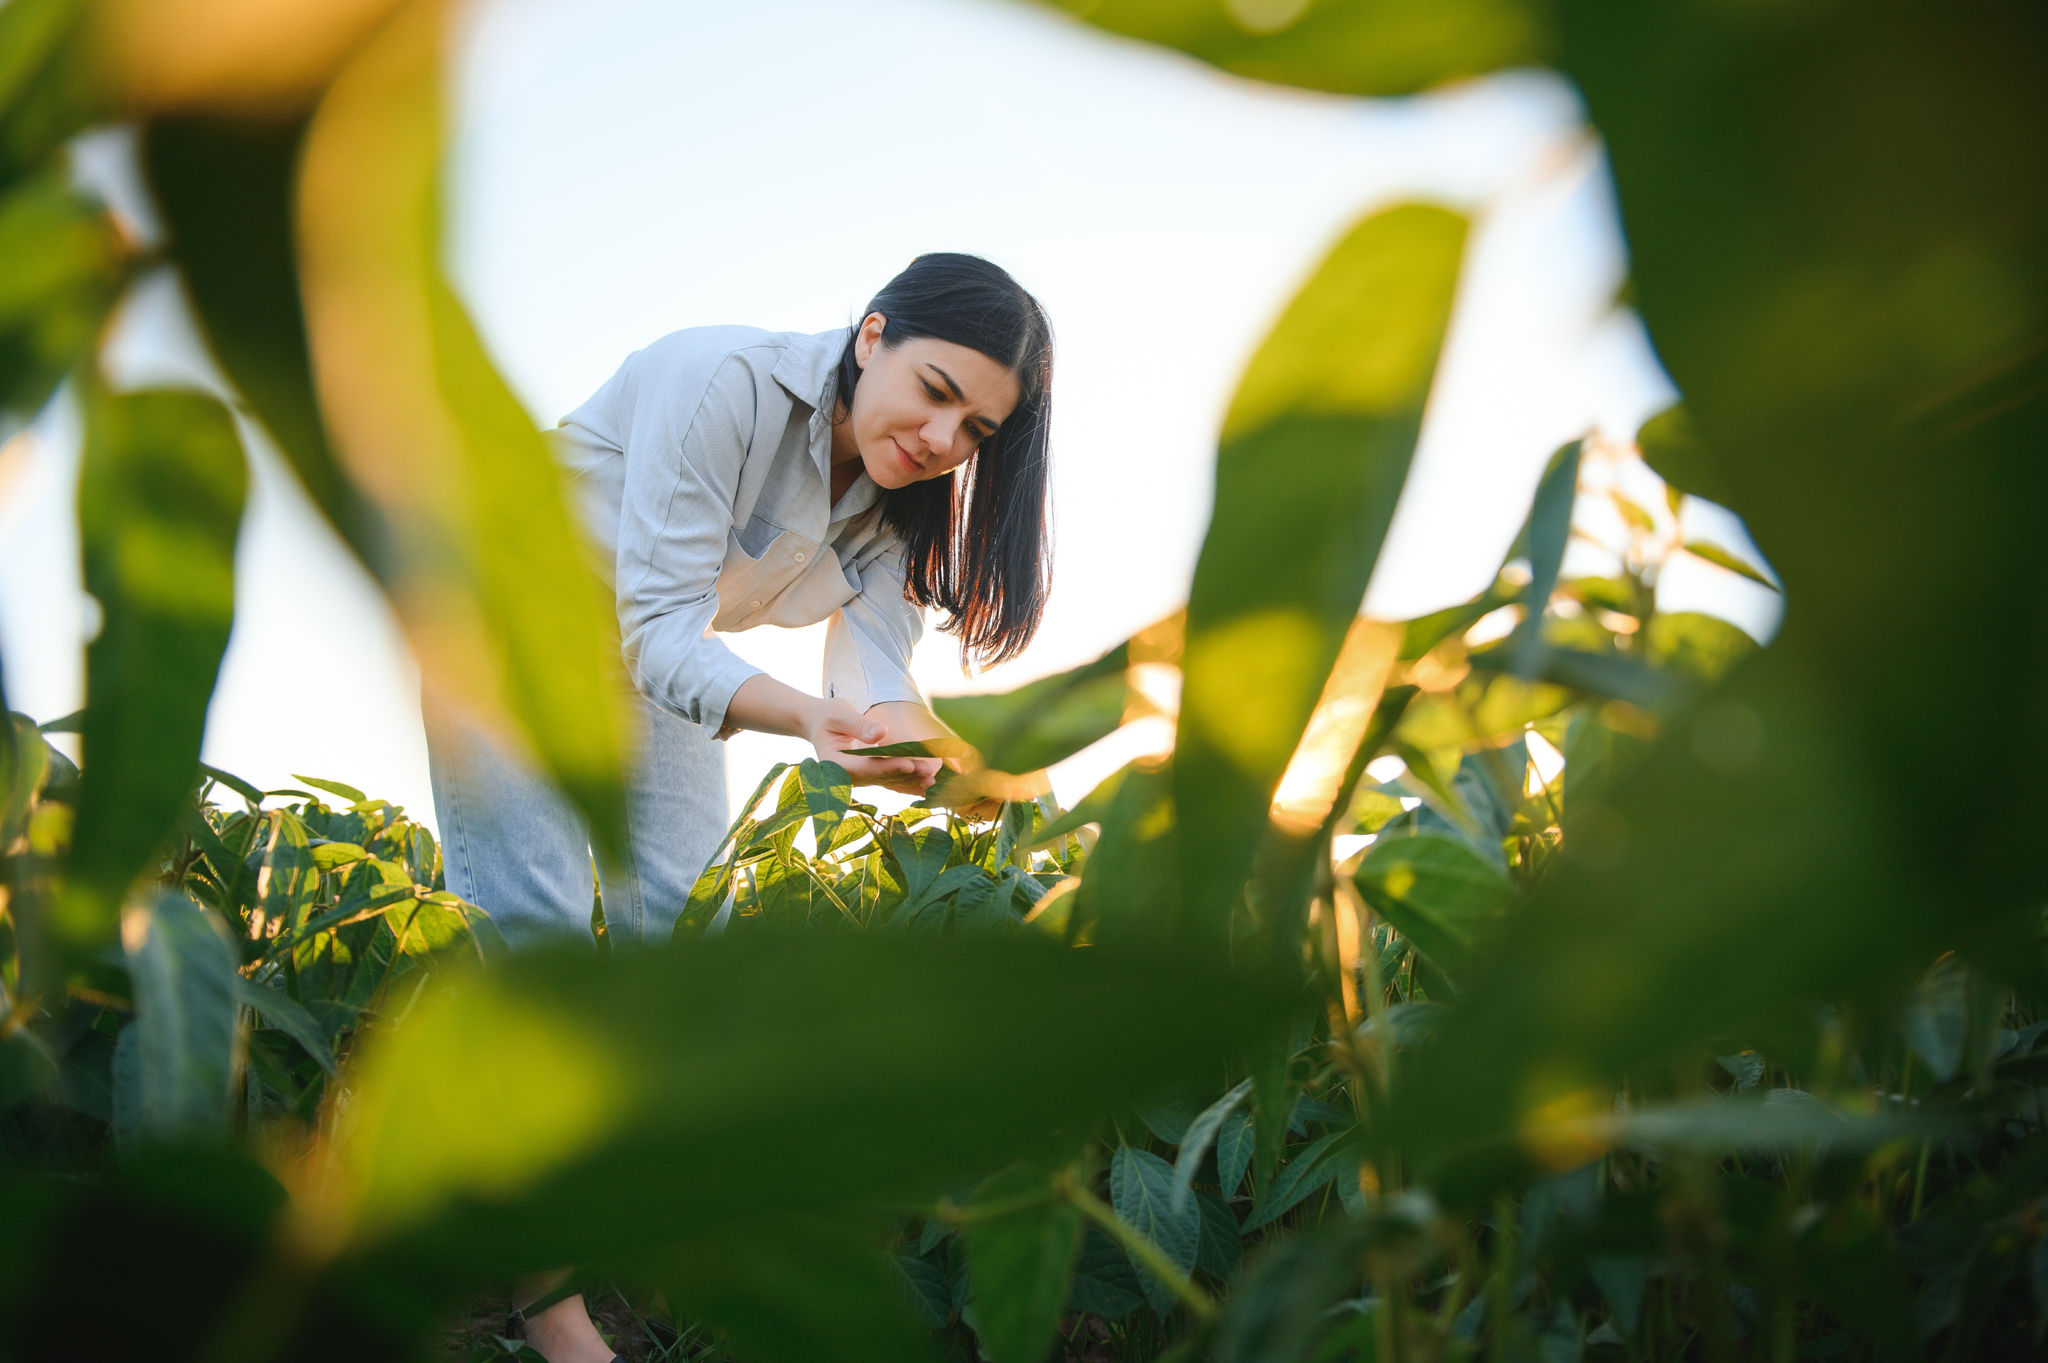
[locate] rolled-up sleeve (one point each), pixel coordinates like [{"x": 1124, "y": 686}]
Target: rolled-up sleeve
[
  {"x": 869, "y": 639},
  {"x": 683, "y": 463}
]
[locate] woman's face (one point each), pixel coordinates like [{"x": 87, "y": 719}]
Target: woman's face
[{"x": 923, "y": 406}]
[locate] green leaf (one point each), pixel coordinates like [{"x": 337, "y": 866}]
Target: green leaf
[
  {"x": 1022, "y": 1261},
  {"x": 1104, "y": 1282},
  {"x": 1694, "y": 646},
  {"x": 1222, "y": 1244},
  {"x": 280, "y": 1010},
  {"x": 1235, "y": 1141},
  {"x": 709, "y": 892},
  {"x": 426, "y": 927},
  {"x": 1425, "y": 632},
  {"x": 1407, "y": 1024},
  {"x": 1305, "y": 1172},
  {"x": 1141, "y": 1190},
  {"x": 1543, "y": 540},
  {"x": 1621, "y": 1279},
  {"x": 23, "y": 763},
  {"x": 1282, "y": 1302},
  {"x": 931, "y": 1301},
  {"x": 1614, "y": 676},
  {"x": 66, "y": 266},
  {"x": 917, "y": 747},
  {"x": 51, "y": 84},
  {"x": 174, "y": 1064},
  {"x": 1721, "y": 558},
  {"x": 1672, "y": 448},
  {"x": 920, "y": 856},
  {"x": 1043, "y": 721},
  {"x": 1617, "y": 592},
  {"x": 1791, "y": 266},
  {"x": 1201, "y": 1134},
  {"x": 544, "y": 1110},
  {"x": 332, "y": 856},
  {"x": 1633, "y": 513},
  {"x": 1438, "y": 892},
  {"x": 967, "y": 882},
  {"x": 827, "y": 792},
  {"x": 233, "y": 782},
  {"x": 160, "y": 504},
  {"x": 225, "y": 188},
  {"x": 796, "y": 1290},
  {"x": 289, "y": 874},
  {"x": 1937, "y": 1020},
  {"x": 484, "y": 562},
  {"x": 1020, "y": 819},
  {"x": 1167, "y": 1121},
  {"x": 1127, "y": 886},
  {"x": 1783, "y": 1121},
  {"x": 1334, "y": 395},
  {"x": 349, "y": 793},
  {"x": 1375, "y": 47},
  {"x": 1093, "y": 807}
]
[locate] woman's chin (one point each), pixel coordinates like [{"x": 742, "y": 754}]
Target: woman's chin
[{"x": 881, "y": 473}]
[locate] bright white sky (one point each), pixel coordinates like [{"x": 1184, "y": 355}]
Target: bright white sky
[{"x": 624, "y": 168}]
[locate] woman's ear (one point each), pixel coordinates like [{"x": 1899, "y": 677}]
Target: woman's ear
[{"x": 870, "y": 336}]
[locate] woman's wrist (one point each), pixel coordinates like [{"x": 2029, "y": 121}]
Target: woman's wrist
[{"x": 768, "y": 706}]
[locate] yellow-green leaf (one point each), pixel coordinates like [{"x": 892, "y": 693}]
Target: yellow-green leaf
[
  {"x": 1315, "y": 450},
  {"x": 1354, "y": 47}
]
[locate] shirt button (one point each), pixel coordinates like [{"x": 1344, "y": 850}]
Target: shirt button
[
  {"x": 753, "y": 605},
  {"x": 799, "y": 556}
]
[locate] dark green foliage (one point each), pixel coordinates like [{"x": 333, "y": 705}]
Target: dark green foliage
[
  {"x": 924, "y": 868},
  {"x": 272, "y": 939},
  {"x": 225, "y": 188},
  {"x": 173, "y": 1070},
  {"x": 1721, "y": 1039},
  {"x": 50, "y": 87},
  {"x": 67, "y": 265},
  {"x": 160, "y": 504},
  {"x": 1021, "y": 1247}
]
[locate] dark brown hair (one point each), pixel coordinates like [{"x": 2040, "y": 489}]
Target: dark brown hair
[{"x": 980, "y": 536}]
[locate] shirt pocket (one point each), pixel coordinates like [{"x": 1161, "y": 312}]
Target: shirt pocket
[
  {"x": 822, "y": 588},
  {"x": 746, "y": 579},
  {"x": 754, "y": 539}
]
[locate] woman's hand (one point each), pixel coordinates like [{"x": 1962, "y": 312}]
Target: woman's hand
[{"x": 839, "y": 726}]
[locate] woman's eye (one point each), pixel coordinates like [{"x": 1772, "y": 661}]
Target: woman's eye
[{"x": 934, "y": 394}]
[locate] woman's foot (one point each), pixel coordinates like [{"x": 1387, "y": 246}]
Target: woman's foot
[{"x": 564, "y": 1333}]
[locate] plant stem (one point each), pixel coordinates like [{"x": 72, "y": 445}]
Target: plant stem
[
  {"x": 1140, "y": 1247},
  {"x": 955, "y": 1215},
  {"x": 1454, "y": 1299},
  {"x": 1500, "y": 1286}
]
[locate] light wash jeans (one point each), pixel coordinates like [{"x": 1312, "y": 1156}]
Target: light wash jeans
[{"x": 514, "y": 847}]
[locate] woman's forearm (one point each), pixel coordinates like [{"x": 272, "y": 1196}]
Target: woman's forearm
[
  {"x": 834, "y": 728},
  {"x": 768, "y": 706}
]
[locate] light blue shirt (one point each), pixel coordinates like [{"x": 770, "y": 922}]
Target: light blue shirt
[{"x": 701, "y": 471}]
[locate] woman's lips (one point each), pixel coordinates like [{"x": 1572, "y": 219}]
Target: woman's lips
[{"x": 909, "y": 465}]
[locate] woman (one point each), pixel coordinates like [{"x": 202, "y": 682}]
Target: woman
[{"x": 729, "y": 478}]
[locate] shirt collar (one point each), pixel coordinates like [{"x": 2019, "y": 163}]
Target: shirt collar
[
  {"x": 809, "y": 370},
  {"x": 809, "y": 367},
  {"x": 862, "y": 495}
]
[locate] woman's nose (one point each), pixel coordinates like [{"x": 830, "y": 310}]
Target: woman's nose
[{"x": 940, "y": 434}]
